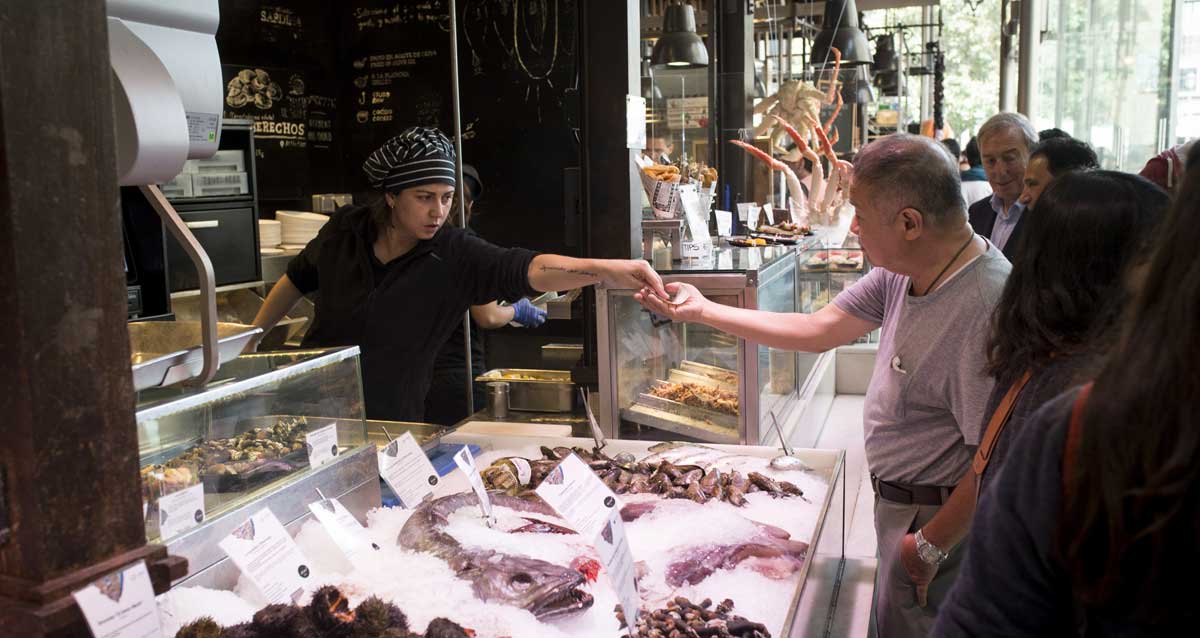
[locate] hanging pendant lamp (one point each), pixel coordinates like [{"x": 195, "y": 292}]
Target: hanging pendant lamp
[{"x": 679, "y": 47}]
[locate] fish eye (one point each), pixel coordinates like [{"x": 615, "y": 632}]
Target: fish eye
[{"x": 521, "y": 580}]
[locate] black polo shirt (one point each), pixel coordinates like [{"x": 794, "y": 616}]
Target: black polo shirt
[{"x": 400, "y": 313}]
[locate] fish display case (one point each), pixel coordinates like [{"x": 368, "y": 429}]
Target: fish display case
[
  {"x": 757, "y": 534},
  {"x": 271, "y": 430},
  {"x": 665, "y": 380}
]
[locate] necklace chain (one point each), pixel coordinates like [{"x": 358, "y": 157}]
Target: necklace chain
[{"x": 947, "y": 266}]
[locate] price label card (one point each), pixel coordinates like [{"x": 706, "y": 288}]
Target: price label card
[
  {"x": 347, "y": 533},
  {"x": 121, "y": 605},
  {"x": 322, "y": 445},
  {"x": 405, "y": 468},
  {"x": 724, "y": 223},
  {"x": 694, "y": 249},
  {"x": 466, "y": 462},
  {"x": 613, "y": 548},
  {"x": 748, "y": 215},
  {"x": 264, "y": 551},
  {"x": 769, "y": 210},
  {"x": 593, "y": 511},
  {"x": 573, "y": 490},
  {"x": 180, "y": 511}
]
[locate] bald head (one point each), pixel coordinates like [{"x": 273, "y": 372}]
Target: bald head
[{"x": 911, "y": 171}]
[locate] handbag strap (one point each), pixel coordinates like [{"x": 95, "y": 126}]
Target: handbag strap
[
  {"x": 1074, "y": 437},
  {"x": 996, "y": 424}
]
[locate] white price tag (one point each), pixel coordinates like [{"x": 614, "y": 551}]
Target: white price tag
[
  {"x": 724, "y": 223},
  {"x": 322, "y": 445},
  {"x": 583, "y": 500},
  {"x": 347, "y": 533},
  {"x": 748, "y": 214},
  {"x": 180, "y": 511},
  {"x": 770, "y": 212},
  {"x": 593, "y": 511},
  {"x": 613, "y": 548},
  {"x": 266, "y": 554},
  {"x": 405, "y": 468},
  {"x": 121, "y": 605},
  {"x": 466, "y": 462}
]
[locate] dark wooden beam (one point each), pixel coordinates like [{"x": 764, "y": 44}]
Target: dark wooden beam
[
  {"x": 70, "y": 497},
  {"x": 735, "y": 92}
]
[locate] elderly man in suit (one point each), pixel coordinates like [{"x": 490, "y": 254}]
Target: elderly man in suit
[{"x": 1004, "y": 143}]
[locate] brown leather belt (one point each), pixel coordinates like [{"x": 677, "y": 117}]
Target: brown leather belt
[{"x": 906, "y": 494}]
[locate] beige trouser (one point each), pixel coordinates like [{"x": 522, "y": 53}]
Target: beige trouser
[{"x": 896, "y": 612}]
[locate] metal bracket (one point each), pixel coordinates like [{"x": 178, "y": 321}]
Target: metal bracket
[{"x": 208, "y": 282}]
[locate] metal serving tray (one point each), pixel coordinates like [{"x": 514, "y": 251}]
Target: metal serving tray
[
  {"x": 682, "y": 376},
  {"x": 167, "y": 352},
  {"x": 539, "y": 391},
  {"x": 722, "y": 375}
]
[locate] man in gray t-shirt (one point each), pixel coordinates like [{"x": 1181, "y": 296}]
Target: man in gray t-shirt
[{"x": 932, "y": 292}]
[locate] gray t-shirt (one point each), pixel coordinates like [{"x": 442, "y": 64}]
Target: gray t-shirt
[{"x": 925, "y": 405}]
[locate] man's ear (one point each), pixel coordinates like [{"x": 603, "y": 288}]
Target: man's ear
[
  {"x": 914, "y": 223},
  {"x": 389, "y": 199}
]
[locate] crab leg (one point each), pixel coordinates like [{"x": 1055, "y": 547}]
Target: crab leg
[
  {"x": 837, "y": 69},
  {"x": 834, "y": 174},
  {"x": 818, "y": 172},
  {"x": 837, "y": 109},
  {"x": 793, "y": 183}
]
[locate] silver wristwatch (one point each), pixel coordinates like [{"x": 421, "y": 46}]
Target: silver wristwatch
[{"x": 928, "y": 552}]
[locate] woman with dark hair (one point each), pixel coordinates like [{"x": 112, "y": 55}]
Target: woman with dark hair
[
  {"x": 1054, "y": 315},
  {"x": 446, "y": 402},
  {"x": 393, "y": 279},
  {"x": 1050, "y": 158},
  {"x": 1091, "y": 527}
]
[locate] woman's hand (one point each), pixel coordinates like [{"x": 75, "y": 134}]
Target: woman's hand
[
  {"x": 688, "y": 306},
  {"x": 631, "y": 273},
  {"x": 920, "y": 572}
]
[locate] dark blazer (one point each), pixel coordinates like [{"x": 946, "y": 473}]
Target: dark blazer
[
  {"x": 983, "y": 219},
  {"x": 400, "y": 313}
]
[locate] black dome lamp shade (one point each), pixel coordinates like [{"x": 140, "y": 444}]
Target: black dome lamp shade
[
  {"x": 840, "y": 29},
  {"x": 679, "y": 47}
]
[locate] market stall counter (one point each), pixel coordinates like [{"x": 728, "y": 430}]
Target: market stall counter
[
  {"x": 736, "y": 546},
  {"x": 664, "y": 380}
]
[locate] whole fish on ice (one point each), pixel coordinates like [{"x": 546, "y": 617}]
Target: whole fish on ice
[{"x": 544, "y": 589}]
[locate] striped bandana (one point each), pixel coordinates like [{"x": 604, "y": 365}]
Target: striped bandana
[{"x": 418, "y": 156}]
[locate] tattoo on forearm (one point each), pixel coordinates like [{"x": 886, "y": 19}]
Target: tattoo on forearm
[{"x": 569, "y": 271}]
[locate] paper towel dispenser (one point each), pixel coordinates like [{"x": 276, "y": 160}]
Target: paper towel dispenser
[{"x": 169, "y": 98}]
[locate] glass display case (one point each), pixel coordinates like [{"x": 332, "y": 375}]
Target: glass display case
[
  {"x": 661, "y": 379},
  {"x": 277, "y": 430}
]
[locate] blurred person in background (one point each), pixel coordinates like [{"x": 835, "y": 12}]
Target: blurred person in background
[
  {"x": 1005, "y": 140},
  {"x": 974, "y": 180},
  {"x": 1051, "y": 158},
  {"x": 1090, "y": 528},
  {"x": 1167, "y": 168}
]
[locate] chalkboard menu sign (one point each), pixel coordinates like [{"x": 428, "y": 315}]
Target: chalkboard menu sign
[
  {"x": 328, "y": 83},
  {"x": 395, "y": 73}
]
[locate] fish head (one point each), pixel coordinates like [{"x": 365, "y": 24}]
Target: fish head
[{"x": 544, "y": 589}]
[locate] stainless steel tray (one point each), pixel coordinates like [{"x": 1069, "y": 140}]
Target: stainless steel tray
[
  {"x": 683, "y": 376},
  {"x": 722, "y": 375},
  {"x": 699, "y": 414},
  {"x": 241, "y": 306},
  {"x": 535, "y": 390},
  {"x": 698, "y": 429},
  {"x": 168, "y": 352}
]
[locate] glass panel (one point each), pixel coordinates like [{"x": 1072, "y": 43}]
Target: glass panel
[
  {"x": 674, "y": 380},
  {"x": 1104, "y": 77},
  {"x": 246, "y": 432},
  {"x": 777, "y": 374}
]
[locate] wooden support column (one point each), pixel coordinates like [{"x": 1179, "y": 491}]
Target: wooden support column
[{"x": 70, "y": 498}]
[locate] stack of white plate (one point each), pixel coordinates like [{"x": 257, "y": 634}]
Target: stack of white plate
[
  {"x": 270, "y": 235},
  {"x": 299, "y": 227}
]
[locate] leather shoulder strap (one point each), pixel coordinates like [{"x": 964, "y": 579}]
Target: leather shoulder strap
[
  {"x": 1074, "y": 436},
  {"x": 996, "y": 424}
]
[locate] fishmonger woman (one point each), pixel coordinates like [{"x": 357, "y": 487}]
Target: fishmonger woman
[{"x": 394, "y": 280}]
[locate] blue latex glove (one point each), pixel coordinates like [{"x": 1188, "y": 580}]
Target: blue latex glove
[{"x": 527, "y": 314}]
